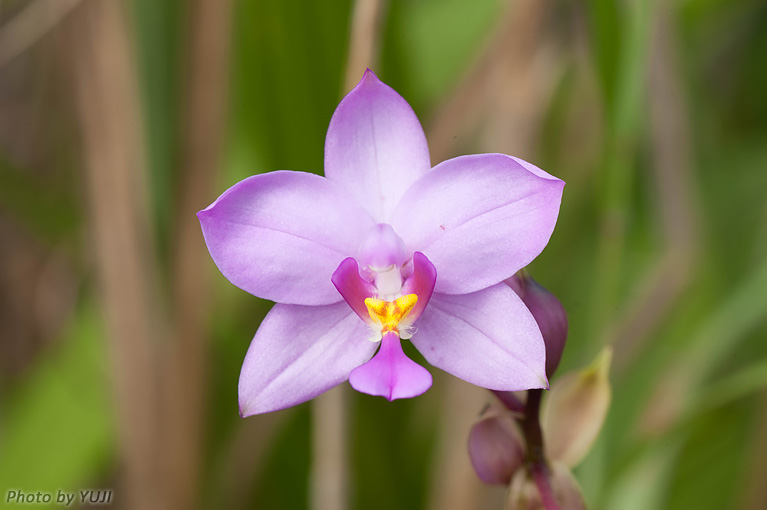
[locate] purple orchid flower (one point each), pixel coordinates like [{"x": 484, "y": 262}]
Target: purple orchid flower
[{"x": 384, "y": 248}]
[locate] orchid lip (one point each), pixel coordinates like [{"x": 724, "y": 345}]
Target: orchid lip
[
  {"x": 390, "y": 373},
  {"x": 393, "y": 308}
]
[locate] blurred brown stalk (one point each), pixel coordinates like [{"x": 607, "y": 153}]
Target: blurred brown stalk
[
  {"x": 122, "y": 238},
  {"x": 158, "y": 350}
]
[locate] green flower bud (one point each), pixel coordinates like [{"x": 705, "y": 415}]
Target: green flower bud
[{"x": 575, "y": 410}]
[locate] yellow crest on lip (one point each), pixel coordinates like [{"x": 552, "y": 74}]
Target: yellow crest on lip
[{"x": 388, "y": 314}]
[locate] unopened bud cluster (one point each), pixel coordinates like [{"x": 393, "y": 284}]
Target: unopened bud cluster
[{"x": 506, "y": 444}]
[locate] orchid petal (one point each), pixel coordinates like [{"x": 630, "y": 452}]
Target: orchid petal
[
  {"x": 280, "y": 235},
  {"x": 300, "y": 352},
  {"x": 353, "y": 288},
  {"x": 421, "y": 283},
  {"x": 391, "y": 374},
  {"x": 487, "y": 338},
  {"x": 375, "y": 147},
  {"x": 479, "y": 219},
  {"x": 533, "y": 169}
]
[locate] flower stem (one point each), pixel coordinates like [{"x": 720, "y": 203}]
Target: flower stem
[
  {"x": 535, "y": 454},
  {"x": 531, "y": 426},
  {"x": 542, "y": 479}
]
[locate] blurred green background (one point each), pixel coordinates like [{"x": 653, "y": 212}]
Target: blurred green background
[{"x": 121, "y": 344}]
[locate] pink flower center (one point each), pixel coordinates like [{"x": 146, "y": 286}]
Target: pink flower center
[
  {"x": 384, "y": 272},
  {"x": 388, "y": 288}
]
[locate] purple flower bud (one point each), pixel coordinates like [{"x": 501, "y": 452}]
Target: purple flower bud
[
  {"x": 548, "y": 313},
  {"x": 495, "y": 449}
]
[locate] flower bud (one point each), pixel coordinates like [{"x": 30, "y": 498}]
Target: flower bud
[
  {"x": 495, "y": 448},
  {"x": 524, "y": 494},
  {"x": 575, "y": 410},
  {"x": 548, "y": 313}
]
